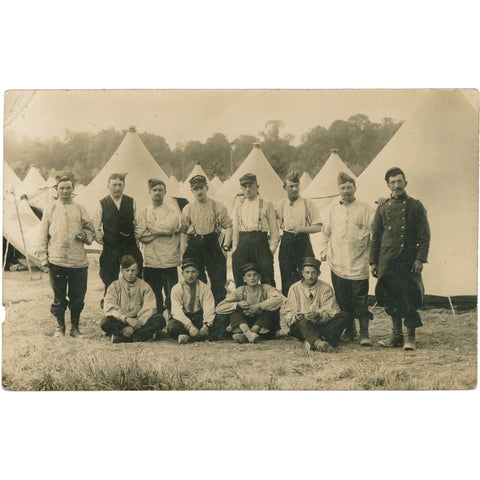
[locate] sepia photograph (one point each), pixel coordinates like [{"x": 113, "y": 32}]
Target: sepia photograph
[{"x": 260, "y": 239}]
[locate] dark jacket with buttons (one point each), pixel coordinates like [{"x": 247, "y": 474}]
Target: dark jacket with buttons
[{"x": 400, "y": 231}]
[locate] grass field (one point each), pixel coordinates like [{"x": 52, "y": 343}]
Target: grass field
[{"x": 446, "y": 357}]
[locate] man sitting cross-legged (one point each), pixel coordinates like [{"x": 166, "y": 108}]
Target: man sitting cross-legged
[
  {"x": 253, "y": 308},
  {"x": 193, "y": 308},
  {"x": 130, "y": 307},
  {"x": 311, "y": 311}
]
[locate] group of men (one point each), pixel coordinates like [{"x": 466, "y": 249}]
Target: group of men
[{"x": 143, "y": 293}]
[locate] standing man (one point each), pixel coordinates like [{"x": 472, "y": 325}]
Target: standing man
[
  {"x": 254, "y": 221},
  {"x": 400, "y": 243},
  {"x": 158, "y": 229},
  {"x": 114, "y": 221},
  {"x": 193, "y": 308},
  {"x": 64, "y": 229},
  {"x": 346, "y": 245},
  {"x": 311, "y": 311},
  {"x": 297, "y": 217},
  {"x": 202, "y": 221}
]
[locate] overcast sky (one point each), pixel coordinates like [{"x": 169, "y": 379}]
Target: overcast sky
[{"x": 184, "y": 115}]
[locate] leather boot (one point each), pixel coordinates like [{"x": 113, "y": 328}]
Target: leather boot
[
  {"x": 396, "y": 340},
  {"x": 350, "y": 333},
  {"x": 60, "y": 330},
  {"x": 410, "y": 341},
  {"x": 75, "y": 320},
  {"x": 364, "y": 338}
]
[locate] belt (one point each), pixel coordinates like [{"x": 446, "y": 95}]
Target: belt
[{"x": 203, "y": 237}]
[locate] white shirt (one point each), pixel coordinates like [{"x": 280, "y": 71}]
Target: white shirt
[
  {"x": 295, "y": 214},
  {"x": 345, "y": 240}
]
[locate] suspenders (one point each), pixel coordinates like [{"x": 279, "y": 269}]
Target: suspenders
[
  {"x": 195, "y": 218},
  {"x": 260, "y": 206},
  {"x": 308, "y": 219},
  {"x": 244, "y": 294}
]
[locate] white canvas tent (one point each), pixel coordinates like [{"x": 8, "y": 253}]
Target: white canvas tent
[
  {"x": 174, "y": 181},
  {"x": 324, "y": 188},
  {"x": 215, "y": 185},
  {"x": 33, "y": 180},
  {"x": 305, "y": 181},
  {"x": 271, "y": 186},
  {"x": 133, "y": 158},
  {"x": 21, "y": 221},
  {"x": 185, "y": 188},
  {"x": 437, "y": 148}
]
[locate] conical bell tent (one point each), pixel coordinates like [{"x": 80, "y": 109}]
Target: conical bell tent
[
  {"x": 133, "y": 158},
  {"x": 271, "y": 186},
  {"x": 437, "y": 148}
]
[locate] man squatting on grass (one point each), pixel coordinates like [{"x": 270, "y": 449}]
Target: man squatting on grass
[
  {"x": 311, "y": 311},
  {"x": 130, "y": 307},
  {"x": 64, "y": 228},
  {"x": 253, "y": 308},
  {"x": 193, "y": 308}
]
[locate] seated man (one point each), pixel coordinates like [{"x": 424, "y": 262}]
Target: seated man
[
  {"x": 193, "y": 308},
  {"x": 311, "y": 311},
  {"x": 130, "y": 307},
  {"x": 253, "y": 308}
]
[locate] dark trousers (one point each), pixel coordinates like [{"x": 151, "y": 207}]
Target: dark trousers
[
  {"x": 110, "y": 260},
  {"x": 253, "y": 247},
  {"x": 293, "y": 249},
  {"x": 206, "y": 250},
  {"x": 352, "y": 297},
  {"x": 265, "y": 319},
  {"x": 330, "y": 331},
  {"x": 161, "y": 279},
  {"x": 399, "y": 294},
  {"x": 113, "y": 326},
  {"x": 69, "y": 287},
  {"x": 216, "y": 331}
]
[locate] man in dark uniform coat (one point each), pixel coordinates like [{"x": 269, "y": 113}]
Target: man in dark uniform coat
[
  {"x": 399, "y": 248},
  {"x": 114, "y": 222}
]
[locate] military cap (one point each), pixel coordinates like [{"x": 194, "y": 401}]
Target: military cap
[
  {"x": 190, "y": 262},
  {"x": 250, "y": 266},
  {"x": 153, "y": 182},
  {"x": 311, "y": 262},
  {"x": 344, "y": 178},
  {"x": 198, "y": 181},
  {"x": 248, "y": 178}
]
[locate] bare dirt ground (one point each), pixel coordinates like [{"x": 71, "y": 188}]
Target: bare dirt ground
[{"x": 446, "y": 357}]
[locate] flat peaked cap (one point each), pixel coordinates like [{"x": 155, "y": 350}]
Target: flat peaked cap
[
  {"x": 250, "y": 266},
  {"x": 344, "y": 178},
  {"x": 190, "y": 262},
  {"x": 311, "y": 262},
  {"x": 198, "y": 181},
  {"x": 248, "y": 178}
]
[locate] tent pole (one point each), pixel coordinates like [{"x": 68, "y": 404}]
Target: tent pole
[
  {"x": 451, "y": 306},
  {"x": 23, "y": 237},
  {"x": 6, "y": 253}
]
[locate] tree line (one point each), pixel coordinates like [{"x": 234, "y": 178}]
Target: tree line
[{"x": 358, "y": 141}]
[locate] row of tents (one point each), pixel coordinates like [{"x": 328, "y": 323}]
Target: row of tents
[{"x": 437, "y": 147}]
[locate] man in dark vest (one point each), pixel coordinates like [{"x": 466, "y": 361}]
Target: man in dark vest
[
  {"x": 398, "y": 250},
  {"x": 114, "y": 222}
]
